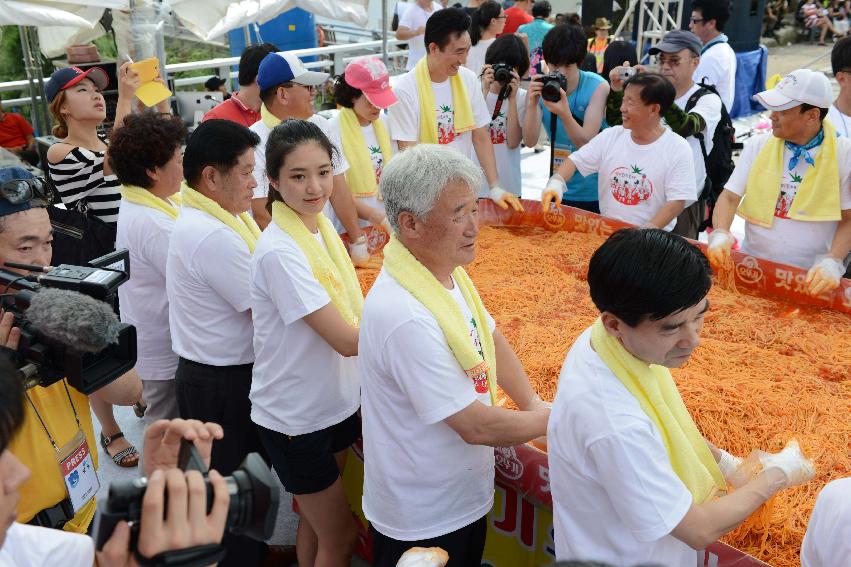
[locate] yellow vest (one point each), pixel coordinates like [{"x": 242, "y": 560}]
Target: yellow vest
[{"x": 46, "y": 487}]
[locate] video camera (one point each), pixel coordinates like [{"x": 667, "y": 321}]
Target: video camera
[
  {"x": 554, "y": 83},
  {"x": 68, "y": 326},
  {"x": 252, "y": 511}
]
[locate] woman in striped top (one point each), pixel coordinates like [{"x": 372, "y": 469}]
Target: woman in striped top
[{"x": 79, "y": 168}]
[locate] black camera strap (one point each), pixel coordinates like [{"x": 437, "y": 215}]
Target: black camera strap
[
  {"x": 44, "y": 426},
  {"x": 553, "y": 127},
  {"x": 198, "y": 556},
  {"x": 499, "y": 100}
]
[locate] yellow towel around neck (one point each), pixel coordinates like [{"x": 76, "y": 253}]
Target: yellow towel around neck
[
  {"x": 421, "y": 283},
  {"x": 268, "y": 118},
  {"x": 360, "y": 176},
  {"x": 463, "y": 110},
  {"x": 243, "y": 224},
  {"x": 654, "y": 388},
  {"x": 143, "y": 197},
  {"x": 818, "y": 194},
  {"x": 331, "y": 265}
]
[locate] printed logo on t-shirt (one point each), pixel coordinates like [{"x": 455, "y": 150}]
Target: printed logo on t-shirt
[
  {"x": 377, "y": 161},
  {"x": 630, "y": 185},
  {"x": 445, "y": 124},
  {"x": 788, "y": 189},
  {"x": 499, "y": 129}
]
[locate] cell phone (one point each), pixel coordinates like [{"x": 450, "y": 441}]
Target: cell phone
[{"x": 627, "y": 72}]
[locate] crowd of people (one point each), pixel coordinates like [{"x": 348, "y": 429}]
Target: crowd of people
[{"x": 253, "y": 335}]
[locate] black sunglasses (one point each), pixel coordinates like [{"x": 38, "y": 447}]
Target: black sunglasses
[{"x": 19, "y": 191}]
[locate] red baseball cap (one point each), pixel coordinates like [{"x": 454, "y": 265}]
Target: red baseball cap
[
  {"x": 70, "y": 76},
  {"x": 369, "y": 75}
]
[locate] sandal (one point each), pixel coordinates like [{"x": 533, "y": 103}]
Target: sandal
[{"x": 126, "y": 458}]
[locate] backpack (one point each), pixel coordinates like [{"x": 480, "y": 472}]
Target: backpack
[{"x": 719, "y": 162}]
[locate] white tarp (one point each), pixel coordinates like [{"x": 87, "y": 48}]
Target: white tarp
[
  {"x": 39, "y": 13},
  {"x": 210, "y": 19}
]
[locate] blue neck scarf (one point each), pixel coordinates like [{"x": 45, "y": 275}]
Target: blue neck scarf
[{"x": 798, "y": 151}]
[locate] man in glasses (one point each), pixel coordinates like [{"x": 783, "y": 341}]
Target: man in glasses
[
  {"x": 717, "y": 60},
  {"x": 696, "y": 112},
  {"x": 287, "y": 90},
  {"x": 840, "y": 111}
]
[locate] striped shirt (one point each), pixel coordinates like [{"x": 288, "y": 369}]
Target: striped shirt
[{"x": 80, "y": 178}]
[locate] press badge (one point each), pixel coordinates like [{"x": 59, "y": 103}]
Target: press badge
[
  {"x": 561, "y": 154},
  {"x": 78, "y": 470}
]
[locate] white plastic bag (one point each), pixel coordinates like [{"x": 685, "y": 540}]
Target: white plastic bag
[{"x": 423, "y": 557}]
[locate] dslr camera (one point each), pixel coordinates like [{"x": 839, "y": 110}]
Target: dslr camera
[
  {"x": 554, "y": 83},
  {"x": 252, "y": 510},
  {"x": 502, "y": 73}
]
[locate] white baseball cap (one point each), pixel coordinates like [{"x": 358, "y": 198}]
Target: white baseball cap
[
  {"x": 283, "y": 67},
  {"x": 798, "y": 87}
]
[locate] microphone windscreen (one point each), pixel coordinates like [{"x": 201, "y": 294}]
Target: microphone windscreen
[{"x": 73, "y": 319}]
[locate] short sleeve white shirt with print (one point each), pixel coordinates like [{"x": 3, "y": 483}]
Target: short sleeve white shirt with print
[
  {"x": 790, "y": 241},
  {"x": 377, "y": 158},
  {"x": 827, "y": 542},
  {"x": 403, "y": 118},
  {"x": 507, "y": 160},
  {"x": 476, "y": 56},
  {"x": 299, "y": 384},
  {"x": 421, "y": 479},
  {"x": 616, "y": 498},
  {"x": 718, "y": 67},
  {"x": 339, "y": 163},
  {"x": 207, "y": 276},
  {"x": 709, "y": 108},
  {"x": 636, "y": 180},
  {"x": 413, "y": 18},
  {"x": 145, "y": 232}
]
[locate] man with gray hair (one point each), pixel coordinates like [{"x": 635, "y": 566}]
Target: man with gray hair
[{"x": 431, "y": 358}]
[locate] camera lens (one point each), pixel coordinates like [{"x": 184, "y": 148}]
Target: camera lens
[
  {"x": 502, "y": 75},
  {"x": 551, "y": 91}
]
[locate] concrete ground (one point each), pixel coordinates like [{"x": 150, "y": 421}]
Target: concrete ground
[{"x": 782, "y": 59}]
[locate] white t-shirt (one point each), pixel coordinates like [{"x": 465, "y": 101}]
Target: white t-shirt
[
  {"x": 145, "y": 232},
  {"x": 827, "y": 542},
  {"x": 507, "y": 161},
  {"x": 790, "y": 241},
  {"x": 476, "y": 56},
  {"x": 403, "y": 118},
  {"x": 709, "y": 108},
  {"x": 207, "y": 276},
  {"x": 718, "y": 66},
  {"x": 375, "y": 156},
  {"x": 338, "y": 161},
  {"x": 34, "y": 546},
  {"x": 413, "y": 18},
  {"x": 636, "y": 181},
  {"x": 299, "y": 384},
  {"x": 842, "y": 122},
  {"x": 616, "y": 498},
  {"x": 421, "y": 479}
]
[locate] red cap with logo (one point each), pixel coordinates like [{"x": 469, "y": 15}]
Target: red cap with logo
[{"x": 369, "y": 75}]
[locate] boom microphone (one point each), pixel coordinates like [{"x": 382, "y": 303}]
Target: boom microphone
[{"x": 73, "y": 319}]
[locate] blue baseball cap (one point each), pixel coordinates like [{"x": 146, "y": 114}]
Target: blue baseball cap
[
  {"x": 70, "y": 76},
  {"x": 279, "y": 68},
  {"x": 8, "y": 174}
]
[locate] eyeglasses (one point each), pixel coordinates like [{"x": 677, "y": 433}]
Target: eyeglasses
[
  {"x": 501, "y": 17},
  {"x": 310, "y": 88},
  {"x": 697, "y": 20},
  {"x": 669, "y": 61},
  {"x": 19, "y": 191}
]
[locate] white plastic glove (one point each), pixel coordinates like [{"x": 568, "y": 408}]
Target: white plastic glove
[
  {"x": 720, "y": 244},
  {"x": 728, "y": 464},
  {"x": 503, "y": 199},
  {"x": 359, "y": 251},
  {"x": 795, "y": 466},
  {"x": 423, "y": 557},
  {"x": 825, "y": 275},
  {"x": 553, "y": 192}
]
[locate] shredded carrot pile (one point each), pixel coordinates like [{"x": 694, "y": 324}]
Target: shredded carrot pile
[{"x": 766, "y": 370}]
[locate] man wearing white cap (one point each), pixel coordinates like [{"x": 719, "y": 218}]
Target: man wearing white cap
[
  {"x": 287, "y": 90},
  {"x": 793, "y": 187}
]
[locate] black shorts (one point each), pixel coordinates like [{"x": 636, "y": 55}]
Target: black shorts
[
  {"x": 465, "y": 546},
  {"x": 305, "y": 463}
]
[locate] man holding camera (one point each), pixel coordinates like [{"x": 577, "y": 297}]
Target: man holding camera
[
  {"x": 571, "y": 104},
  {"x": 182, "y": 523},
  {"x": 441, "y": 102},
  {"x": 57, "y": 421},
  {"x": 646, "y": 172}
]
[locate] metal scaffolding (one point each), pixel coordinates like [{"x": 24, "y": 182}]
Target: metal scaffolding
[{"x": 655, "y": 19}]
